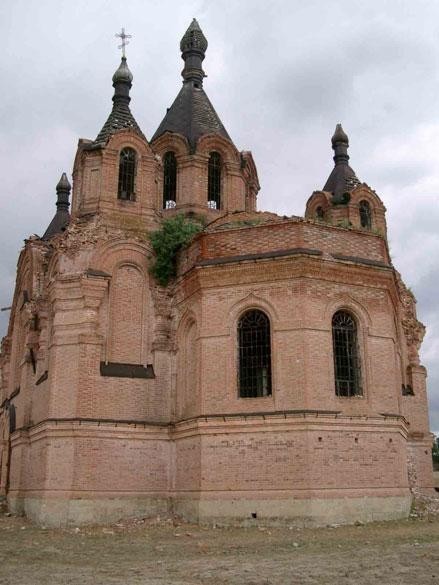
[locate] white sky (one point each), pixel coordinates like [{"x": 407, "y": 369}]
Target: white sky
[{"x": 281, "y": 74}]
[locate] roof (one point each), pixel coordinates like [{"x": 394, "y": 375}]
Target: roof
[
  {"x": 192, "y": 115},
  {"x": 58, "y": 224},
  {"x": 341, "y": 180},
  {"x": 120, "y": 118}
]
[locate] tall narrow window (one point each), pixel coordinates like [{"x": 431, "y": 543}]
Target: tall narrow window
[
  {"x": 254, "y": 347},
  {"x": 365, "y": 215},
  {"x": 169, "y": 180},
  {"x": 320, "y": 214},
  {"x": 214, "y": 181},
  {"x": 127, "y": 173},
  {"x": 346, "y": 356}
]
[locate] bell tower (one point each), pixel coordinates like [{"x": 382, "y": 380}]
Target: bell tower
[
  {"x": 114, "y": 176},
  {"x": 202, "y": 170}
]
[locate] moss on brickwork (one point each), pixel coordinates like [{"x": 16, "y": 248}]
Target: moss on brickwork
[{"x": 174, "y": 233}]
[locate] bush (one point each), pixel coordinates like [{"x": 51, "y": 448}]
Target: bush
[{"x": 174, "y": 233}]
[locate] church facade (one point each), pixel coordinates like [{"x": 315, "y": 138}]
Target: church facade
[{"x": 275, "y": 377}]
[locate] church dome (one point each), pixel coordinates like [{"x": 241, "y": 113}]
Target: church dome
[
  {"x": 193, "y": 38},
  {"x": 122, "y": 73}
]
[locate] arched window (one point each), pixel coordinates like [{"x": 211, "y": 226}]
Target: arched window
[
  {"x": 169, "y": 180},
  {"x": 254, "y": 347},
  {"x": 127, "y": 173},
  {"x": 214, "y": 181},
  {"x": 320, "y": 214},
  {"x": 365, "y": 215},
  {"x": 346, "y": 356}
]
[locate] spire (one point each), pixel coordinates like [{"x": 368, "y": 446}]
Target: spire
[
  {"x": 193, "y": 47},
  {"x": 61, "y": 218},
  {"x": 340, "y": 145},
  {"x": 342, "y": 179},
  {"x": 192, "y": 114},
  {"x": 121, "y": 116}
]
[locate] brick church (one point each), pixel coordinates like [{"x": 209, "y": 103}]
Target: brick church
[{"x": 274, "y": 377}]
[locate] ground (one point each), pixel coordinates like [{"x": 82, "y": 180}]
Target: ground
[{"x": 168, "y": 553}]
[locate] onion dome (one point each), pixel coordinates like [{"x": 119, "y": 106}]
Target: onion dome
[
  {"x": 340, "y": 136},
  {"x": 193, "y": 38},
  {"x": 122, "y": 73}
]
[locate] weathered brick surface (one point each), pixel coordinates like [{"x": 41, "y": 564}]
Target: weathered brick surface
[{"x": 186, "y": 435}]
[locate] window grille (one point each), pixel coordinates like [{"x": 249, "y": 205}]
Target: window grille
[
  {"x": 346, "y": 356},
  {"x": 365, "y": 215},
  {"x": 214, "y": 181},
  {"x": 127, "y": 173},
  {"x": 169, "y": 180},
  {"x": 254, "y": 354}
]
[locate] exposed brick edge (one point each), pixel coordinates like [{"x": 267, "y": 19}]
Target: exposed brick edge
[
  {"x": 358, "y": 260},
  {"x": 98, "y": 421},
  {"x": 260, "y": 256},
  {"x": 207, "y": 417}
]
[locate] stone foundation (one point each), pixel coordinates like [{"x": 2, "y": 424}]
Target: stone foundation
[
  {"x": 230, "y": 511},
  {"x": 297, "y": 512},
  {"x": 57, "y": 512}
]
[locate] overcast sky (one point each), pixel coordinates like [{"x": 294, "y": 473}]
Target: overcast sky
[{"x": 281, "y": 74}]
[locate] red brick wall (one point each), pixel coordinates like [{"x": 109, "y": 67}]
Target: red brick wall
[{"x": 127, "y": 315}]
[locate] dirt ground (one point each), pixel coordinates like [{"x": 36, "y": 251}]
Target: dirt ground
[{"x": 152, "y": 553}]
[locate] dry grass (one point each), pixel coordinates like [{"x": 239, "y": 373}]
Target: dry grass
[{"x": 148, "y": 553}]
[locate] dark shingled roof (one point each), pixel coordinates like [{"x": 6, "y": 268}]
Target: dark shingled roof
[
  {"x": 342, "y": 178},
  {"x": 61, "y": 218},
  {"x": 121, "y": 117},
  {"x": 191, "y": 115}
]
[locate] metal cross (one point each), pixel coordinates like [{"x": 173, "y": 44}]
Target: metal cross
[{"x": 124, "y": 38}]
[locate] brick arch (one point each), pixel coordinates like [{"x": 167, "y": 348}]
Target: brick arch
[
  {"x": 18, "y": 317},
  {"x": 361, "y": 193},
  {"x": 377, "y": 209},
  {"x": 127, "y": 315},
  {"x": 112, "y": 253},
  {"x": 128, "y": 138},
  {"x": 171, "y": 141},
  {"x": 317, "y": 199},
  {"x": 213, "y": 142},
  {"x": 188, "y": 363},
  {"x": 53, "y": 265},
  {"x": 252, "y": 301},
  {"x": 348, "y": 303},
  {"x": 127, "y": 309}
]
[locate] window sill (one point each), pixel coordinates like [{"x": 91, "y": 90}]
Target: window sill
[{"x": 354, "y": 397}]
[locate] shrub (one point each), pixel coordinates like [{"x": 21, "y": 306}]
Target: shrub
[{"x": 174, "y": 233}]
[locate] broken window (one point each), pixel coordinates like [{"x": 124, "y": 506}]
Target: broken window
[
  {"x": 365, "y": 215},
  {"x": 254, "y": 355},
  {"x": 127, "y": 173},
  {"x": 214, "y": 181},
  {"x": 169, "y": 180},
  {"x": 346, "y": 356}
]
